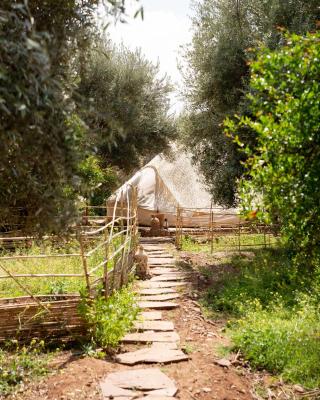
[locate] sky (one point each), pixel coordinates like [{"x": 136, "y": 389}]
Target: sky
[{"x": 166, "y": 26}]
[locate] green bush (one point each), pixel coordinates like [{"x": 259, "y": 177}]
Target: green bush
[
  {"x": 275, "y": 311},
  {"x": 283, "y": 165},
  {"x": 110, "y": 318},
  {"x": 268, "y": 276},
  {"x": 282, "y": 341}
]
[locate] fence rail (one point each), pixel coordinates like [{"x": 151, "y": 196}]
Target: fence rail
[
  {"x": 101, "y": 263},
  {"x": 222, "y": 230}
]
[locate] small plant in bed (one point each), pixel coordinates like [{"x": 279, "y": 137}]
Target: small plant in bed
[{"x": 110, "y": 319}]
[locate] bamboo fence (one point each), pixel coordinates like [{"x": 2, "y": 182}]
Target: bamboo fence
[
  {"x": 57, "y": 315},
  {"x": 223, "y": 230}
]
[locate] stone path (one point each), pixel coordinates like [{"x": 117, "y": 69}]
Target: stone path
[{"x": 159, "y": 338}]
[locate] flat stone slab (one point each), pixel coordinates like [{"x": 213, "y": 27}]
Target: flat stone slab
[
  {"x": 156, "y": 260},
  {"x": 161, "y": 265},
  {"x": 154, "y": 397},
  {"x": 162, "y": 326},
  {"x": 162, "y": 305},
  {"x": 156, "y": 291},
  {"x": 157, "y": 353},
  {"x": 161, "y": 297},
  {"x": 155, "y": 285},
  {"x": 150, "y": 337},
  {"x": 111, "y": 391},
  {"x": 150, "y": 315},
  {"x": 168, "y": 277},
  {"x": 165, "y": 270},
  {"x": 156, "y": 246},
  {"x": 150, "y": 381},
  {"x": 158, "y": 254}
]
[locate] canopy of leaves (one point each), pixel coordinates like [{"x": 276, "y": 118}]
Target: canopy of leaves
[
  {"x": 125, "y": 105},
  {"x": 217, "y": 76},
  {"x": 97, "y": 182},
  {"x": 38, "y": 146},
  {"x": 42, "y": 151},
  {"x": 284, "y": 166}
]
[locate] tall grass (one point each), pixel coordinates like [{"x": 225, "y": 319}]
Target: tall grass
[
  {"x": 269, "y": 276},
  {"x": 110, "y": 318},
  {"x": 283, "y": 340},
  {"x": 58, "y": 265},
  {"x": 230, "y": 242},
  {"x": 21, "y": 364},
  {"x": 274, "y": 309}
]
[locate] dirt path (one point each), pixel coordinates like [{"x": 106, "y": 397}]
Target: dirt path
[{"x": 199, "y": 377}]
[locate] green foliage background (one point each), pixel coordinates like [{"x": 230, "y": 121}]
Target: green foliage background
[
  {"x": 217, "y": 76},
  {"x": 75, "y": 113},
  {"x": 125, "y": 105},
  {"x": 282, "y": 181}
]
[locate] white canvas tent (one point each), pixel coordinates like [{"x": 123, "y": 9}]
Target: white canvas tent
[{"x": 167, "y": 182}]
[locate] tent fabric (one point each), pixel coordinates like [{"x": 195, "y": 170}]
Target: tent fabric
[{"x": 167, "y": 182}]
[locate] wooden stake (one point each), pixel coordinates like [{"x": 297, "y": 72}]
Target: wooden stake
[
  {"x": 105, "y": 271},
  {"x": 239, "y": 237},
  {"x": 122, "y": 242},
  {"x": 211, "y": 229},
  {"x": 84, "y": 263}
]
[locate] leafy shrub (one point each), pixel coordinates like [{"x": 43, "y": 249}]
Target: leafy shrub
[
  {"x": 278, "y": 309},
  {"x": 98, "y": 182},
  {"x": 283, "y": 165},
  {"x": 282, "y": 341},
  {"x": 110, "y": 318},
  {"x": 268, "y": 276}
]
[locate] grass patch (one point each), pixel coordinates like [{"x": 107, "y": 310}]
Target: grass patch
[
  {"x": 274, "y": 312},
  {"x": 110, "y": 319},
  {"x": 229, "y": 242},
  {"x": 22, "y": 364},
  {"x": 283, "y": 341},
  {"x": 58, "y": 265},
  {"x": 269, "y": 276}
]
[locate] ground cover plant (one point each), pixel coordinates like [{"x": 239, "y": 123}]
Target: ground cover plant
[
  {"x": 110, "y": 319},
  {"x": 273, "y": 312},
  {"x": 20, "y": 364},
  {"x": 283, "y": 340},
  {"x": 229, "y": 242}
]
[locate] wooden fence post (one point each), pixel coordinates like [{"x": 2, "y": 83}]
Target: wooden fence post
[
  {"x": 239, "y": 237},
  {"x": 211, "y": 229},
  {"x": 105, "y": 271},
  {"x": 134, "y": 223},
  {"x": 178, "y": 228},
  {"x": 122, "y": 242},
  {"x": 84, "y": 262},
  {"x": 264, "y": 236}
]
